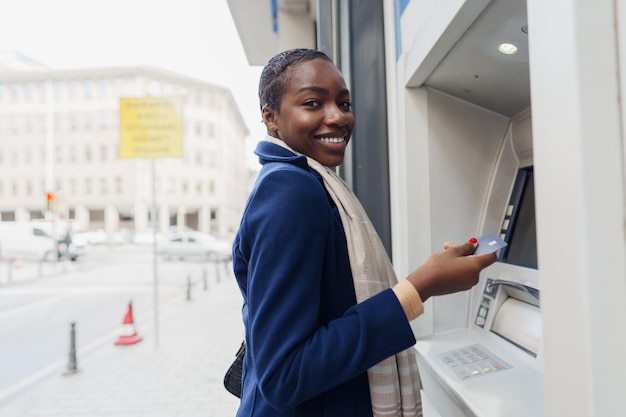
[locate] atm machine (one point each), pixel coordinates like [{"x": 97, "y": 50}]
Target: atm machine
[{"x": 492, "y": 367}]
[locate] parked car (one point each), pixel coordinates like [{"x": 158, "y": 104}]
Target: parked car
[
  {"x": 26, "y": 240},
  {"x": 192, "y": 244}
]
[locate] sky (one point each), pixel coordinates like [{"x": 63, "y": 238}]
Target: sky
[{"x": 196, "y": 38}]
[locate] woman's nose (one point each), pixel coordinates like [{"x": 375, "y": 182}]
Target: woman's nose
[{"x": 337, "y": 116}]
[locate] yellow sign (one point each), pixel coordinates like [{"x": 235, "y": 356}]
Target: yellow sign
[{"x": 151, "y": 127}]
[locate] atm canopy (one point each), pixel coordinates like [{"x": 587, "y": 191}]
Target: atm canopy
[{"x": 266, "y": 27}]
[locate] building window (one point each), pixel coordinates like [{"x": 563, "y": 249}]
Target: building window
[
  {"x": 88, "y": 89},
  {"x": 118, "y": 85},
  {"x": 29, "y": 92},
  {"x": 88, "y": 121},
  {"x": 87, "y": 154},
  {"x": 103, "y": 119},
  {"x": 118, "y": 185},
  {"x": 42, "y": 123},
  {"x": 14, "y": 93},
  {"x": 58, "y": 121},
  {"x": 103, "y": 153},
  {"x": 58, "y": 90},
  {"x": 72, "y": 90},
  {"x": 28, "y": 121},
  {"x": 88, "y": 185},
  {"x": 103, "y": 90},
  {"x": 103, "y": 186},
  {"x": 43, "y": 91},
  {"x": 73, "y": 118},
  {"x": 73, "y": 188}
]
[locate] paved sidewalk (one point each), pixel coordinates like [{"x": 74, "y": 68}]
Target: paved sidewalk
[{"x": 181, "y": 377}]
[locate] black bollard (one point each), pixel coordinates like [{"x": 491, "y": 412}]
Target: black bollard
[
  {"x": 216, "y": 262},
  {"x": 189, "y": 287},
  {"x": 72, "y": 366}
]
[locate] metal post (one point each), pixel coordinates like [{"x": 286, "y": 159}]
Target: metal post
[
  {"x": 72, "y": 366},
  {"x": 153, "y": 220},
  {"x": 188, "y": 287}
]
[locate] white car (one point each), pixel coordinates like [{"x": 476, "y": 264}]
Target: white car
[
  {"x": 186, "y": 245},
  {"x": 26, "y": 240}
]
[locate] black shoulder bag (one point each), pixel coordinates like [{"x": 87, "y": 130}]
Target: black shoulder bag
[{"x": 232, "y": 379}]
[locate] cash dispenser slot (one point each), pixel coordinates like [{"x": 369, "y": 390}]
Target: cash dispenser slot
[{"x": 518, "y": 316}]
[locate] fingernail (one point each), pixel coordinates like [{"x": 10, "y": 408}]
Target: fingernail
[{"x": 473, "y": 240}]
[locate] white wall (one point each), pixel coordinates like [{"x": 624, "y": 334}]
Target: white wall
[{"x": 579, "y": 168}]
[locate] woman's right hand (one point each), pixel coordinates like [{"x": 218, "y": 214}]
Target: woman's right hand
[{"x": 451, "y": 270}]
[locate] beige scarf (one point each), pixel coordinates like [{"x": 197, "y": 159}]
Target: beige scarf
[{"x": 394, "y": 382}]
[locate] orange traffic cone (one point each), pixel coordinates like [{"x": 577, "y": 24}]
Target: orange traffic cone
[{"x": 129, "y": 335}]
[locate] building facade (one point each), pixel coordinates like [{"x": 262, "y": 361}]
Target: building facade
[{"x": 59, "y": 143}]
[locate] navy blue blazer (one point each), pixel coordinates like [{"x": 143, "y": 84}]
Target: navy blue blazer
[{"x": 309, "y": 344}]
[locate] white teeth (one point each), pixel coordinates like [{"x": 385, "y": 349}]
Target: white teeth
[{"x": 332, "y": 140}]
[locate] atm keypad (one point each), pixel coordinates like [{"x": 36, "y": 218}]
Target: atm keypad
[{"x": 472, "y": 361}]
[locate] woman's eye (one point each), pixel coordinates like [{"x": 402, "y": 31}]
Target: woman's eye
[
  {"x": 346, "y": 105},
  {"x": 311, "y": 103}
]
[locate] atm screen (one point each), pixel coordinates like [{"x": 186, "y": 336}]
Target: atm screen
[{"x": 521, "y": 234}]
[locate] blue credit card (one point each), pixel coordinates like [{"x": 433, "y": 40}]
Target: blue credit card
[{"x": 489, "y": 243}]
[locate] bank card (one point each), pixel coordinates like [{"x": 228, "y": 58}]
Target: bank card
[{"x": 489, "y": 243}]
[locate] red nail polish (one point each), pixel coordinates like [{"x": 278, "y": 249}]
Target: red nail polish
[{"x": 473, "y": 240}]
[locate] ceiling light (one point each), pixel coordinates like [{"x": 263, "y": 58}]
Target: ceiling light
[{"x": 507, "y": 48}]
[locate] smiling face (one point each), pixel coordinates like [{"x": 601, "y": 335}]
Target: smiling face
[{"x": 314, "y": 116}]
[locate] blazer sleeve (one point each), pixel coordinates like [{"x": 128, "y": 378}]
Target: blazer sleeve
[{"x": 294, "y": 357}]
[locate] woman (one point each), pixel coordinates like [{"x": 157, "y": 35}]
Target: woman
[{"x": 326, "y": 323}]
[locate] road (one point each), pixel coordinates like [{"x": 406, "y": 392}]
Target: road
[{"x": 36, "y": 308}]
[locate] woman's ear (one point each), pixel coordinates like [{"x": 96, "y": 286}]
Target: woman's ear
[{"x": 269, "y": 118}]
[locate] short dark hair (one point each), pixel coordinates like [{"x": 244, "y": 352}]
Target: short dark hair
[{"x": 275, "y": 78}]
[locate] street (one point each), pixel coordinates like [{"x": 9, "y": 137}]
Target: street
[{"x": 39, "y": 303}]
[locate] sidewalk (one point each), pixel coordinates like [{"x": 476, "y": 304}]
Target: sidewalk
[{"x": 181, "y": 377}]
